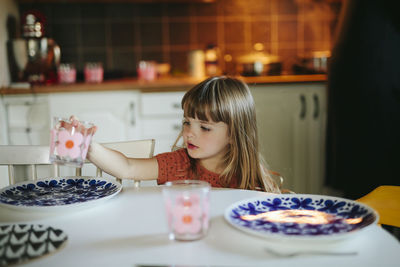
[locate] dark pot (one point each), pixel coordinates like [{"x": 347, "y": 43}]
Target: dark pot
[{"x": 260, "y": 69}]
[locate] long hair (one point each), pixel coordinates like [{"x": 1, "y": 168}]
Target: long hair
[{"x": 228, "y": 100}]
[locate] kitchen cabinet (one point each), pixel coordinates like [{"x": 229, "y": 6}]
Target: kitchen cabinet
[
  {"x": 161, "y": 115},
  {"x": 24, "y": 120},
  {"x": 291, "y": 121},
  {"x": 115, "y": 113},
  {"x": 29, "y": 118}
]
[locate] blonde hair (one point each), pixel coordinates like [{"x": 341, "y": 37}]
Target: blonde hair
[{"x": 228, "y": 100}]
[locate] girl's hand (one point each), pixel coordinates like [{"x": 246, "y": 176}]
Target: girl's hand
[{"x": 79, "y": 126}]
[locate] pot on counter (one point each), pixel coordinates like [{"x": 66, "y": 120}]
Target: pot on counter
[
  {"x": 259, "y": 63},
  {"x": 315, "y": 62}
]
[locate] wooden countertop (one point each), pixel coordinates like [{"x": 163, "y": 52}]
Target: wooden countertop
[{"x": 159, "y": 85}]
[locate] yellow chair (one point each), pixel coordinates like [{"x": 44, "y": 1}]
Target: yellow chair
[{"x": 385, "y": 200}]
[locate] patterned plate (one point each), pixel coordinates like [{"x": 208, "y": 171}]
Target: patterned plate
[
  {"x": 51, "y": 194},
  {"x": 304, "y": 217},
  {"x": 22, "y": 242}
]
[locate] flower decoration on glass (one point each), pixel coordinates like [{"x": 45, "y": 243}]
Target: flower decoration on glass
[
  {"x": 189, "y": 216},
  {"x": 69, "y": 144}
]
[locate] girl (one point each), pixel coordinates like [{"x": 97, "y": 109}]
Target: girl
[{"x": 220, "y": 142}]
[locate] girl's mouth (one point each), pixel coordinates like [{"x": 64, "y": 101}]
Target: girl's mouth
[{"x": 191, "y": 146}]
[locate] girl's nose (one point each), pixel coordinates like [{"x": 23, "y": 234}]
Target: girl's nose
[{"x": 188, "y": 131}]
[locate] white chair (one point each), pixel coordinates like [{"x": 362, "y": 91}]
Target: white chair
[
  {"x": 32, "y": 156},
  {"x": 132, "y": 149}
]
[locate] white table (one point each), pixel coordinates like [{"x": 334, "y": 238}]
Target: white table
[{"x": 131, "y": 229}]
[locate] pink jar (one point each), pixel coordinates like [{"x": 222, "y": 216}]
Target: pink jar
[
  {"x": 66, "y": 73},
  {"x": 147, "y": 70},
  {"x": 94, "y": 72}
]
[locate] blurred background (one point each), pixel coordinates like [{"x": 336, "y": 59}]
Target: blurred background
[{"x": 119, "y": 34}]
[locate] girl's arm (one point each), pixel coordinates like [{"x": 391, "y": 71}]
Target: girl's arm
[{"x": 117, "y": 164}]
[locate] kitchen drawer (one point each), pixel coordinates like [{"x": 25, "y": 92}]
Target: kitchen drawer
[
  {"x": 27, "y": 112},
  {"x": 157, "y": 127},
  {"x": 168, "y": 103},
  {"x": 19, "y": 136}
]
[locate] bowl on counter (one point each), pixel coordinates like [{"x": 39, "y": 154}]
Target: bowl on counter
[
  {"x": 315, "y": 62},
  {"x": 259, "y": 64}
]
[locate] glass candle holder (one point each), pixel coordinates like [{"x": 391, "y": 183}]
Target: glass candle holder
[
  {"x": 66, "y": 73},
  {"x": 94, "y": 72},
  {"x": 187, "y": 209},
  {"x": 69, "y": 144}
]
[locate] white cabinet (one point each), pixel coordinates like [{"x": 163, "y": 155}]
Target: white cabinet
[
  {"x": 115, "y": 113},
  {"x": 161, "y": 115},
  {"x": 28, "y": 118},
  {"x": 291, "y": 122},
  {"x": 25, "y": 120}
]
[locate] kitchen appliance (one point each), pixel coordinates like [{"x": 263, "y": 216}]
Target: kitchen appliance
[
  {"x": 33, "y": 58},
  {"x": 259, "y": 63}
]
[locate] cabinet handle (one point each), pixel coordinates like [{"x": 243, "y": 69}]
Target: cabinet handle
[
  {"x": 303, "y": 110},
  {"x": 132, "y": 108},
  {"x": 176, "y": 105},
  {"x": 316, "y": 106}
]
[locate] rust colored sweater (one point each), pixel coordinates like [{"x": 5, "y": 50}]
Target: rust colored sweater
[{"x": 176, "y": 166}]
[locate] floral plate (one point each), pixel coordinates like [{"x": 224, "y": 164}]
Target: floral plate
[
  {"x": 51, "y": 194},
  {"x": 303, "y": 217}
]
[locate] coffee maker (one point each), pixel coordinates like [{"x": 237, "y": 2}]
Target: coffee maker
[{"x": 33, "y": 58}]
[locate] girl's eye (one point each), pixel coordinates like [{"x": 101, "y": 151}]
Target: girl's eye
[
  {"x": 205, "y": 129},
  {"x": 186, "y": 123}
]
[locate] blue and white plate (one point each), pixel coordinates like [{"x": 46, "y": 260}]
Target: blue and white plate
[
  {"x": 303, "y": 217},
  {"x": 51, "y": 194}
]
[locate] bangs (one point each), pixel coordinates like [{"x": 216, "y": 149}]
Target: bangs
[{"x": 205, "y": 102}]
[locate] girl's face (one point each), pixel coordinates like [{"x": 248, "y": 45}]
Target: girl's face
[{"x": 205, "y": 140}]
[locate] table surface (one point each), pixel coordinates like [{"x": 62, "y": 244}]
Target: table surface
[{"x": 130, "y": 229}]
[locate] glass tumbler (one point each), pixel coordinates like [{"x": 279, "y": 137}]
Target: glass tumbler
[
  {"x": 69, "y": 144},
  {"x": 187, "y": 209},
  {"x": 94, "y": 72},
  {"x": 66, "y": 73}
]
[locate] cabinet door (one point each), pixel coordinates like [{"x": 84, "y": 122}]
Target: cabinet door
[
  {"x": 25, "y": 120},
  {"x": 278, "y": 111},
  {"x": 162, "y": 118},
  {"x": 114, "y": 113},
  {"x": 3, "y": 123},
  {"x": 316, "y": 134},
  {"x": 291, "y": 122}
]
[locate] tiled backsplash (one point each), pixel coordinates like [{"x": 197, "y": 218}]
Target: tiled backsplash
[{"x": 121, "y": 34}]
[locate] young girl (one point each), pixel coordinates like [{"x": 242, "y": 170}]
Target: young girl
[{"x": 220, "y": 142}]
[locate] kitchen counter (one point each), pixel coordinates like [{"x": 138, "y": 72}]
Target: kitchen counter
[{"x": 159, "y": 85}]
